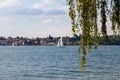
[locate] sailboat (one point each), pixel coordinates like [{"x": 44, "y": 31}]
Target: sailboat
[{"x": 60, "y": 43}]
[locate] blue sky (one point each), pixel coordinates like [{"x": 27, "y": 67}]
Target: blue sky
[{"x": 34, "y": 18}]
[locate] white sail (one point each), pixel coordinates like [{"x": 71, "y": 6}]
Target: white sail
[{"x": 60, "y": 43}]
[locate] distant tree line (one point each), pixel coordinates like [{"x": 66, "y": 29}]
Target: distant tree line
[
  {"x": 75, "y": 40},
  {"x": 112, "y": 40}
]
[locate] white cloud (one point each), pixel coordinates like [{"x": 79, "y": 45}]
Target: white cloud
[
  {"x": 50, "y": 5},
  {"x": 47, "y": 1},
  {"x": 58, "y": 19},
  {"x": 56, "y": 31},
  {"x": 38, "y": 6},
  {"x": 4, "y": 30},
  {"x": 42, "y": 5},
  {"x": 47, "y": 20},
  {"x": 4, "y": 26},
  {"x": 25, "y": 21},
  {"x": 8, "y": 3},
  {"x": 5, "y": 20}
]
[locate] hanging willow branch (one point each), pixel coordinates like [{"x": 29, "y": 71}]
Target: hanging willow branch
[
  {"x": 104, "y": 19},
  {"x": 115, "y": 15},
  {"x": 83, "y": 14}
]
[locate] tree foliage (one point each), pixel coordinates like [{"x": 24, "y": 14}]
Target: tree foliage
[{"x": 84, "y": 16}]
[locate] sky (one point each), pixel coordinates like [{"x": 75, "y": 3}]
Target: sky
[{"x": 34, "y": 18}]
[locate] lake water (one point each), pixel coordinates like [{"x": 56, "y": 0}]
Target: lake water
[{"x": 52, "y": 63}]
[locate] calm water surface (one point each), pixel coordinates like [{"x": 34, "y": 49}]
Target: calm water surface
[{"x": 52, "y": 63}]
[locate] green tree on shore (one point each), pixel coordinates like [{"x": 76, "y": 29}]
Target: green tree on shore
[{"x": 84, "y": 16}]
